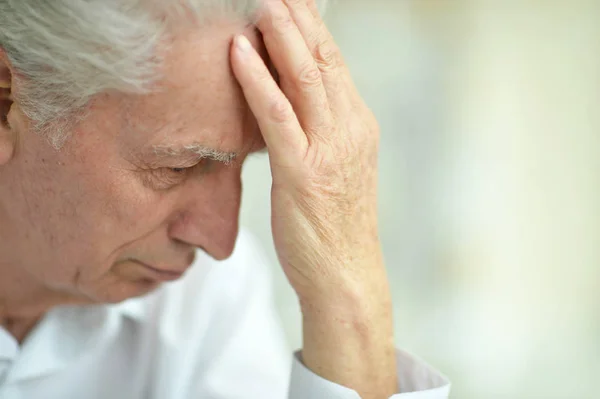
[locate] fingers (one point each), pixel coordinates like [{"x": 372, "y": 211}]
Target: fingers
[
  {"x": 312, "y": 6},
  {"x": 316, "y": 35},
  {"x": 327, "y": 55},
  {"x": 273, "y": 111},
  {"x": 300, "y": 76}
]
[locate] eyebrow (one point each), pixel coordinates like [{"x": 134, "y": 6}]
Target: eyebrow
[{"x": 196, "y": 150}]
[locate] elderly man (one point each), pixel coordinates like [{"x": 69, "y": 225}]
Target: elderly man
[{"x": 124, "y": 126}]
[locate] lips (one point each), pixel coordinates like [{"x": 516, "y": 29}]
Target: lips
[
  {"x": 163, "y": 274},
  {"x": 167, "y": 275}
]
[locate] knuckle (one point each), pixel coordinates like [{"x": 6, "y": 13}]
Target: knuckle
[
  {"x": 279, "y": 111},
  {"x": 326, "y": 55},
  {"x": 310, "y": 75}
]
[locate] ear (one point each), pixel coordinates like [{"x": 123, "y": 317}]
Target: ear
[{"x": 7, "y": 133}]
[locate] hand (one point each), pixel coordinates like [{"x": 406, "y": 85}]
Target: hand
[{"x": 323, "y": 143}]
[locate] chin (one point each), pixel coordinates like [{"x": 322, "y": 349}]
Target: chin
[{"x": 124, "y": 291}]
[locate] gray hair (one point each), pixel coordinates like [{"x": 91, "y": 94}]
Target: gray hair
[{"x": 65, "y": 52}]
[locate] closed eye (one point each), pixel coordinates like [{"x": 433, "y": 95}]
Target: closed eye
[
  {"x": 168, "y": 177},
  {"x": 203, "y": 164}
]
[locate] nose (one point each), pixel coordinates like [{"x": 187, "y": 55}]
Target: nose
[{"x": 209, "y": 214}]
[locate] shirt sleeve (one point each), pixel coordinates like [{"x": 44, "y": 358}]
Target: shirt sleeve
[{"x": 416, "y": 380}]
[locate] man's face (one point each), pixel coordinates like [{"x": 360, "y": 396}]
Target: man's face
[{"x": 128, "y": 191}]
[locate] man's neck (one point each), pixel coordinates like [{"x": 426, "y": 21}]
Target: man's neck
[
  {"x": 23, "y": 301},
  {"x": 19, "y": 328}
]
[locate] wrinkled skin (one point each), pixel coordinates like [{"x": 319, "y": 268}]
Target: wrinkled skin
[
  {"x": 78, "y": 225},
  {"x": 73, "y": 220}
]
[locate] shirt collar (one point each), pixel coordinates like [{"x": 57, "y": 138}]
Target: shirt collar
[
  {"x": 67, "y": 333},
  {"x": 135, "y": 309}
]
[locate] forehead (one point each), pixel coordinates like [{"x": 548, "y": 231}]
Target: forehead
[{"x": 199, "y": 100}]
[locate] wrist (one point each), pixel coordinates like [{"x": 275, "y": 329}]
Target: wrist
[
  {"x": 348, "y": 289},
  {"x": 366, "y": 307},
  {"x": 348, "y": 338}
]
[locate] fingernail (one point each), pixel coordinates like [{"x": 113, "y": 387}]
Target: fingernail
[{"x": 243, "y": 43}]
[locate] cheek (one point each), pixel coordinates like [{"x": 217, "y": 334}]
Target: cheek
[
  {"x": 81, "y": 216},
  {"x": 114, "y": 215},
  {"x": 121, "y": 209}
]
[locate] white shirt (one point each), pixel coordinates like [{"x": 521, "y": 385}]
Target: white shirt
[{"x": 213, "y": 334}]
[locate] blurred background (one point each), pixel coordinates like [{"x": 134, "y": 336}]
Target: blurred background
[{"x": 489, "y": 186}]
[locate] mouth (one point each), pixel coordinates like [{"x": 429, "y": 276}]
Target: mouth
[{"x": 170, "y": 274}]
